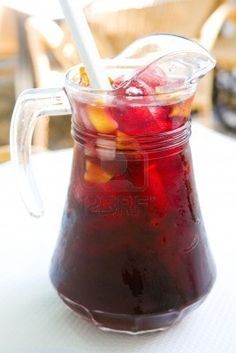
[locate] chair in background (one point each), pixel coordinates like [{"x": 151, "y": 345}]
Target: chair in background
[
  {"x": 8, "y": 69},
  {"x": 8, "y": 42},
  {"x": 51, "y": 54},
  {"x": 225, "y": 46},
  {"x": 15, "y": 68},
  {"x": 224, "y": 50},
  {"x": 52, "y": 48},
  {"x": 14, "y": 56},
  {"x": 4, "y": 154}
]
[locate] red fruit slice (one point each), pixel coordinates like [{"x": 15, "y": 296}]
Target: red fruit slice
[
  {"x": 133, "y": 120},
  {"x": 161, "y": 117}
]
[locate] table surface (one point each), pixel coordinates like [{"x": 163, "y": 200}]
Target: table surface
[{"x": 34, "y": 320}]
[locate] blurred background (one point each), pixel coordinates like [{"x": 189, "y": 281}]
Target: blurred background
[{"x": 36, "y": 50}]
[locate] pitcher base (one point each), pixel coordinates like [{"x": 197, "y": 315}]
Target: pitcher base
[{"x": 131, "y": 324}]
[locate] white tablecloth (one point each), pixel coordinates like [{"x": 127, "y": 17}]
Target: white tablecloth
[{"x": 34, "y": 320}]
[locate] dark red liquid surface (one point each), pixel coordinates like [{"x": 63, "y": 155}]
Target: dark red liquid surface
[{"x": 132, "y": 252}]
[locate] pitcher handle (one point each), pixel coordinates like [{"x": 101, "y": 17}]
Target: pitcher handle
[{"x": 32, "y": 105}]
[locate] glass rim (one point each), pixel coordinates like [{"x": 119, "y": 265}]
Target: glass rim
[{"x": 75, "y": 87}]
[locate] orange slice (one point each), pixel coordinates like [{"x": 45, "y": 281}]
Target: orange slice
[
  {"x": 84, "y": 80},
  {"x": 125, "y": 142},
  {"x": 95, "y": 174},
  {"x": 182, "y": 109},
  {"x": 101, "y": 120}
]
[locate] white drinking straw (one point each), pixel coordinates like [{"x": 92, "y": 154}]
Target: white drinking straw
[{"x": 85, "y": 43}]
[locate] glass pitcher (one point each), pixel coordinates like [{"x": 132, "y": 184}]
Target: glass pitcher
[{"x": 132, "y": 254}]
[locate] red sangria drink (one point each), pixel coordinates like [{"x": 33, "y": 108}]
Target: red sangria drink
[{"x": 132, "y": 254}]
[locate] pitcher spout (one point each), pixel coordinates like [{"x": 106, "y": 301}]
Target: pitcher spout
[{"x": 183, "y": 60}]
